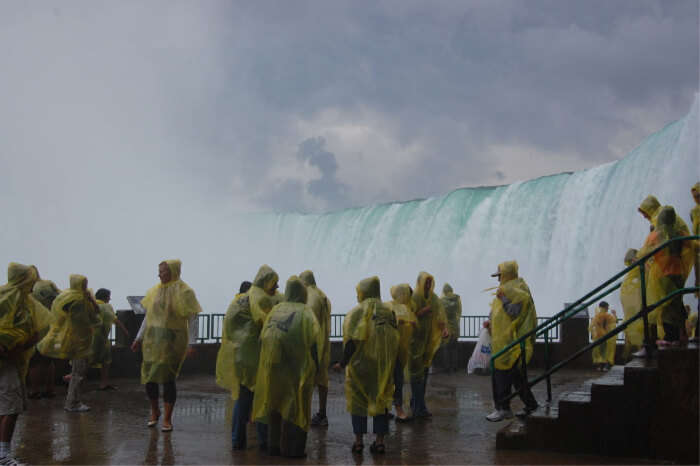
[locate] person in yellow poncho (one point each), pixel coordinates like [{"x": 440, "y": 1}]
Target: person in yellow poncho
[
  {"x": 512, "y": 316},
  {"x": 427, "y": 337},
  {"x": 19, "y": 331},
  {"x": 70, "y": 335},
  {"x": 290, "y": 339},
  {"x": 370, "y": 347},
  {"x": 319, "y": 302},
  {"x": 649, "y": 208},
  {"x": 402, "y": 305},
  {"x": 239, "y": 355},
  {"x": 101, "y": 346},
  {"x": 631, "y": 300},
  {"x": 691, "y": 325},
  {"x": 695, "y": 220},
  {"x": 42, "y": 369},
  {"x": 602, "y": 323},
  {"x": 452, "y": 303},
  {"x": 666, "y": 272},
  {"x": 165, "y": 337}
]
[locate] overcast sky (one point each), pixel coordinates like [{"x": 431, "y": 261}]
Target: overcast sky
[{"x": 120, "y": 115}]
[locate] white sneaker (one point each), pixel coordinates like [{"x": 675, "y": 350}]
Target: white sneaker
[
  {"x": 642, "y": 353},
  {"x": 499, "y": 415},
  {"x": 8, "y": 460},
  {"x": 81, "y": 408}
]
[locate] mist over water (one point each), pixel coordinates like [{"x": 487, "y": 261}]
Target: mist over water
[{"x": 568, "y": 232}]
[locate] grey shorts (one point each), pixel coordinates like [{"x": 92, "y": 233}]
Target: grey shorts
[{"x": 13, "y": 396}]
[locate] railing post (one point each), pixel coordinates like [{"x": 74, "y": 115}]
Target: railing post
[
  {"x": 645, "y": 317},
  {"x": 547, "y": 366},
  {"x": 523, "y": 386}
]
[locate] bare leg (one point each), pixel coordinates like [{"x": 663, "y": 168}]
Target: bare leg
[
  {"x": 358, "y": 439},
  {"x": 7, "y": 427},
  {"x": 168, "y": 418},
  {"x": 155, "y": 409},
  {"x": 104, "y": 375},
  {"x": 380, "y": 439},
  {"x": 400, "y": 413}
]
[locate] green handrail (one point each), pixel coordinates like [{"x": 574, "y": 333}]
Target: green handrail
[{"x": 574, "y": 308}]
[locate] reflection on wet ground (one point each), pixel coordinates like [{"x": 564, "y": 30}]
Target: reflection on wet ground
[{"x": 115, "y": 432}]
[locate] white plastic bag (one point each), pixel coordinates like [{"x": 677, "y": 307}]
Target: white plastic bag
[{"x": 481, "y": 357}]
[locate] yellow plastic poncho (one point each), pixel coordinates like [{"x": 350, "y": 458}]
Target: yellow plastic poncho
[
  {"x": 15, "y": 314},
  {"x": 631, "y": 300},
  {"x": 75, "y": 316},
  {"x": 238, "y": 357},
  {"x": 695, "y": 219},
  {"x": 695, "y": 211},
  {"x": 602, "y": 323},
  {"x": 369, "y": 375},
  {"x": 452, "y": 303},
  {"x": 45, "y": 291},
  {"x": 691, "y": 324},
  {"x": 427, "y": 336},
  {"x": 506, "y": 329},
  {"x": 321, "y": 305},
  {"x": 652, "y": 207},
  {"x": 262, "y": 290},
  {"x": 288, "y": 361},
  {"x": 169, "y": 307},
  {"x": 668, "y": 270},
  {"x": 402, "y": 305},
  {"x": 101, "y": 346},
  {"x": 21, "y": 316}
]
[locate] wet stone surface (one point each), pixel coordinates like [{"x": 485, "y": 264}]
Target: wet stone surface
[{"x": 115, "y": 432}]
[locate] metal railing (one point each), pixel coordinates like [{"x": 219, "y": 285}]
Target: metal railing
[
  {"x": 582, "y": 303},
  {"x": 469, "y": 327}
]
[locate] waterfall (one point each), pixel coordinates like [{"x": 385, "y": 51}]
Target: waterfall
[{"x": 568, "y": 232}]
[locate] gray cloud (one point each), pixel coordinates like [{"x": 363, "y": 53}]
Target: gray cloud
[{"x": 327, "y": 187}]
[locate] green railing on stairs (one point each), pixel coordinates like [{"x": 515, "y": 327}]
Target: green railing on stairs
[{"x": 582, "y": 303}]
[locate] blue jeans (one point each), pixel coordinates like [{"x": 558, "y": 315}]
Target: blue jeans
[
  {"x": 241, "y": 416},
  {"x": 380, "y": 424},
  {"x": 398, "y": 384},
  {"x": 418, "y": 387}
]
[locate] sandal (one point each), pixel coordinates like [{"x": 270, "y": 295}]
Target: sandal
[
  {"x": 153, "y": 422},
  {"x": 377, "y": 448},
  {"x": 357, "y": 447},
  {"x": 166, "y": 428}
]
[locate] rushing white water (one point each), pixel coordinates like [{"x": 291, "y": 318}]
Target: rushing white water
[{"x": 568, "y": 232}]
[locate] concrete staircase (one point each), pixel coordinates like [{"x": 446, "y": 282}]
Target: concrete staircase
[{"x": 645, "y": 409}]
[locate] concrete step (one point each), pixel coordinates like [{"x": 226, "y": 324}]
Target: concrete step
[{"x": 609, "y": 388}]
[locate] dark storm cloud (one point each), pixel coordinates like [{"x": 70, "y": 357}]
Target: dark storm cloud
[{"x": 327, "y": 187}]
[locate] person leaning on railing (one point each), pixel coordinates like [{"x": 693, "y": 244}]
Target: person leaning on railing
[
  {"x": 512, "y": 316},
  {"x": 668, "y": 272}
]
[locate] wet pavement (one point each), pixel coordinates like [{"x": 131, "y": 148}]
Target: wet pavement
[{"x": 115, "y": 432}]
